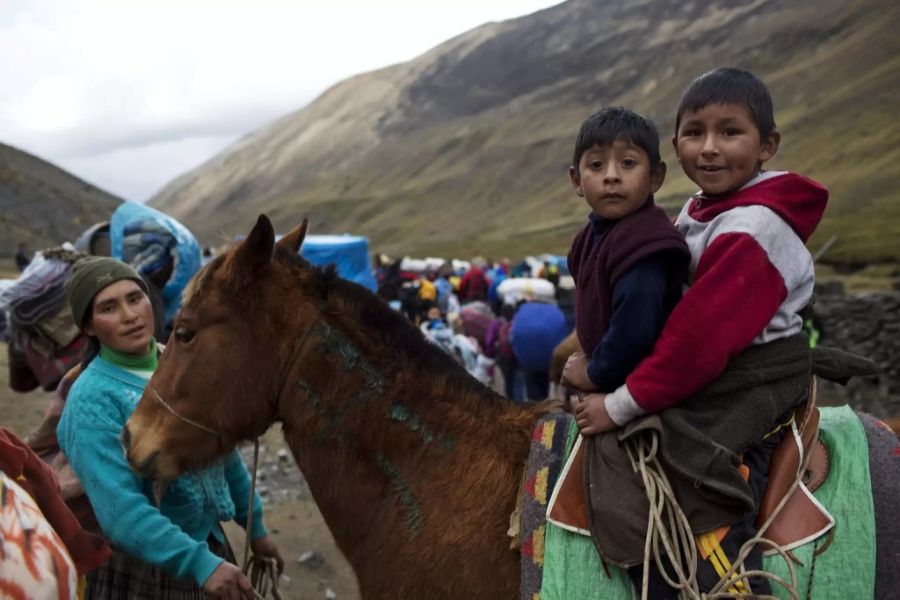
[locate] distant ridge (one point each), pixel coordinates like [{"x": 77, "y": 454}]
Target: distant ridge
[{"x": 464, "y": 149}]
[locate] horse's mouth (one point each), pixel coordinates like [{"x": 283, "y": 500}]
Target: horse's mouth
[{"x": 146, "y": 468}]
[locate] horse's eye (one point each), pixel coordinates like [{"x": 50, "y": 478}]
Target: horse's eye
[{"x": 183, "y": 334}]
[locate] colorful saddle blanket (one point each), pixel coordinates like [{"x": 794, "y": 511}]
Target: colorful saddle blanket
[
  {"x": 846, "y": 569},
  {"x": 549, "y": 442}
]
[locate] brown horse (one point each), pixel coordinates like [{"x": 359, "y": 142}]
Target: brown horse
[{"x": 414, "y": 464}]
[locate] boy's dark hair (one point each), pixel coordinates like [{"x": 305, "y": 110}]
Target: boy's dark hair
[
  {"x": 616, "y": 123},
  {"x": 730, "y": 85}
]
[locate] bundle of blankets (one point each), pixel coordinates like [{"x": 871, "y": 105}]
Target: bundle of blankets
[
  {"x": 149, "y": 247},
  {"x": 43, "y": 340}
]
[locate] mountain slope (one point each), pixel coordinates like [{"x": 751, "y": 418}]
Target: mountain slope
[
  {"x": 43, "y": 205},
  {"x": 465, "y": 149}
]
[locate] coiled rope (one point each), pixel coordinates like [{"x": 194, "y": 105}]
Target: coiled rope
[{"x": 668, "y": 527}]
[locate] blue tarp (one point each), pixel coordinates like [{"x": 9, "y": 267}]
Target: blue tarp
[
  {"x": 187, "y": 250},
  {"x": 560, "y": 261},
  {"x": 349, "y": 253}
]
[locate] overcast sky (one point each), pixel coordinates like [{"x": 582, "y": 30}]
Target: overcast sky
[{"x": 128, "y": 94}]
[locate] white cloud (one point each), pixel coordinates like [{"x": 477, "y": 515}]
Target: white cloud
[
  {"x": 129, "y": 94},
  {"x": 145, "y": 167}
]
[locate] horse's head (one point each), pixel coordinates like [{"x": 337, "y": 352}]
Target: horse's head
[{"x": 218, "y": 380}]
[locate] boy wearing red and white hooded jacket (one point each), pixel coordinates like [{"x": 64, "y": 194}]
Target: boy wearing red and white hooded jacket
[
  {"x": 715, "y": 371},
  {"x": 746, "y": 229}
]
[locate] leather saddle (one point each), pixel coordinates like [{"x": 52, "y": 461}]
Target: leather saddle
[
  {"x": 800, "y": 453},
  {"x": 802, "y": 518}
]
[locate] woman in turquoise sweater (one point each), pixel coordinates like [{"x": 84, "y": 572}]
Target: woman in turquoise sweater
[{"x": 176, "y": 549}]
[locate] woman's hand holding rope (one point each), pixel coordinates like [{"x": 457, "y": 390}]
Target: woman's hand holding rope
[
  {"x": 228, "y": 582},
  {"x": 265, "y": 547}
]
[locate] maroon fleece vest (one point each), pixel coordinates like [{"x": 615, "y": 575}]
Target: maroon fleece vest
[{"x": 597, "y": 267}]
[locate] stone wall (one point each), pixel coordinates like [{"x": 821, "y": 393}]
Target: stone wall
[{"x": 869, "y": 325}]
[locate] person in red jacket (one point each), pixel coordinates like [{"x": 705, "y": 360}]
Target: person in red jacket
[
  {"x": 750, "y": 276},
  {"x": 473, "y": 285}
]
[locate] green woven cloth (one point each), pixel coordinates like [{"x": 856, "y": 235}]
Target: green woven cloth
[{"x": 845, "y": 570}]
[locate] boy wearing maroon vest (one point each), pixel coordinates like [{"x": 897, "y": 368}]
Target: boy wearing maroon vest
[{"x": 629, "y": 262}]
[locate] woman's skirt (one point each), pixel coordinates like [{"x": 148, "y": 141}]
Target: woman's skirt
[{"x": 123, "y": 577}]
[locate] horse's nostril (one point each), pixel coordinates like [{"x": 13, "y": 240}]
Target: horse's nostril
[{"x": 126, "y": 438}]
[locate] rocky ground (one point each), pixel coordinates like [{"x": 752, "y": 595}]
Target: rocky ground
[{"x": 314, "y": 567}]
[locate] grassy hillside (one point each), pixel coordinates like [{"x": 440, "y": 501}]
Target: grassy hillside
[
  {"x": 465, "y": 149},
  {"x": 42, "y": 205}
]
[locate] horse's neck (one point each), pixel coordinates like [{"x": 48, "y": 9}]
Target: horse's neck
[{"x": 392, "y": 457}]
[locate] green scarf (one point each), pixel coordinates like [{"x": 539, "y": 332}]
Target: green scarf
[{"x": 130, "y": 362}]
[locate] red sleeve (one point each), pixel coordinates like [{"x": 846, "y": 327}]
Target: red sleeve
[
  {"x": 735, "y": 293},
  {"x": 464, "y": 284}
]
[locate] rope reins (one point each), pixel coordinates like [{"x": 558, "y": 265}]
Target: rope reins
[
  {"x": 668, "y": 525},
  {"x": 181, "y": 417},
  {"x": 263, "y": 572}
]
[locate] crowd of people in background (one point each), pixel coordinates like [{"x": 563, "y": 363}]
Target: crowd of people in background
[{"x": 500, "y": 320}]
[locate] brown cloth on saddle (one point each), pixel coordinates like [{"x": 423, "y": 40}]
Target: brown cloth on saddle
[
  {"x": 700, "y": 442},
  {"x": 835, "y": 364}
]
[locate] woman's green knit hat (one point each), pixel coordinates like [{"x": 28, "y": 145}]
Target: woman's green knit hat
[{"x": 89, "y": 276}]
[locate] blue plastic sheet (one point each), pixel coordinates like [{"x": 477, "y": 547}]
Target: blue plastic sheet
[
  {"x": 349, "y": 253},
  {"x": 188, "y": 249},
  {"x": 560, "y": 261}
]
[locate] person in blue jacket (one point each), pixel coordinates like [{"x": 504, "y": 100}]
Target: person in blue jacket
[
  {"x": 537, "y": 328},
  {"x": 173, "y": 549}
]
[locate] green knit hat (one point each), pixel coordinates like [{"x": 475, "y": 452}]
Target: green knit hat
[{"x": 89, "y": 276}]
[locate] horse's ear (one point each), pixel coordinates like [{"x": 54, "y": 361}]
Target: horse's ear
[
  {"x": 292, "y": 241},
  {"x": 256, "y": 250}
]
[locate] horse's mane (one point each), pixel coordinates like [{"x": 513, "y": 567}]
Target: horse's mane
[
  {"x": 195, "y": 285},
  {"x": 390, "y": 328}
]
